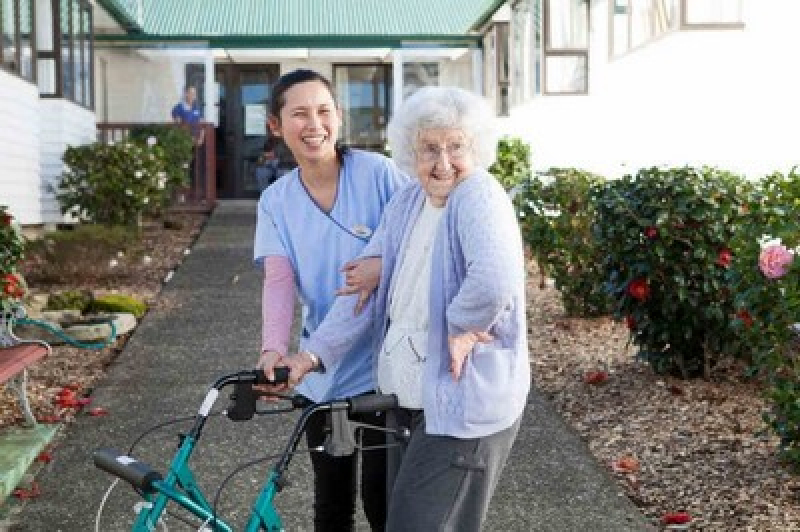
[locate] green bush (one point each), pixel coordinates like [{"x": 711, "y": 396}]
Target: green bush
[
  {"x": 12, "y": 249},
  {"x": 118, "y": 303},
  {"x": 83, "y": 253},
  {"x": 113, "y": 184},
  {"x": 766, "y": 281},
  {"x": 513, "y": 163},
  {"x": 555, "y": 218},
  {"x": 668, "y": 237},
  {"x": 177, "y": 145}
]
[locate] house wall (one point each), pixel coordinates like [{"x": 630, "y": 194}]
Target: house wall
[
  {"x": 20, "y": 188},
  {"x": 694, "y": 97},
  {"x": 132, "y": 87},
  {"x": 64, "y": 124}
]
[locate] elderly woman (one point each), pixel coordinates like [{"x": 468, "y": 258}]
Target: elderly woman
[{"x": 450, "y": 309}]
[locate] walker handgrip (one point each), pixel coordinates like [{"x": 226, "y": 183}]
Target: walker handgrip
[
  {"x": 372, "y": 403},
  {"x": 281, "y": 376},
  {"x": 139, "y": 474}
]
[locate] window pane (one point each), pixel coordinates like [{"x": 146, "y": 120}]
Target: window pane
[
  {"x": 9, "y": 50},
  {"x": 364, "y": 93},
  {"x": 26, "y": 42},
  {"x": 46, "y": 76},
  {"x": 566, "y": 74},
  {"x": 568, "y": 25},
  {"x": 86, "y": 57},
  {"x": 417, "y": 75},
  {"x": 713, "y": 11},
  {"x": 67, "y": 70},
  {"x": 636, "y": 22},
  {"x": 77, "y": 48}
]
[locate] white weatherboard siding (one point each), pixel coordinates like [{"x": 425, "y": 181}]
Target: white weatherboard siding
[
  {"x": 726, "y": 98},
  {"x": 20, "y": 187},
  {"x": 64, "y": 124}
]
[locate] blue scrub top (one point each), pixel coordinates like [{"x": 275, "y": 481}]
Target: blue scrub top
[{"x": 318, "y": 244}]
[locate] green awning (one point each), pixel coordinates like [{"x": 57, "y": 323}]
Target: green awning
[{"x": 301, "y": 23}]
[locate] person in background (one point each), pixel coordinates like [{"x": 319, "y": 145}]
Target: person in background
[
  {"x": 266, "y": 168},
  {"x": 448, "y": 315},
  {"x": 187, "y": 113},
  {"x": 311, "y": 223}
]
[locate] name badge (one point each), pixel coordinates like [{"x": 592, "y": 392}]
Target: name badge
[{"x": 361, "y": 231}]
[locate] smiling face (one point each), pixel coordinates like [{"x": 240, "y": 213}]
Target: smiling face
[
  {"x": 309, "y": 122},
  {"x": 443, "y": 158}
]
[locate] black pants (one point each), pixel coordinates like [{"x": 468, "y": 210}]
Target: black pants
[{"x": 335, "y": 478}]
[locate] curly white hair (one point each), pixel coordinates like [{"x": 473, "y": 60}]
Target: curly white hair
[{"x": 442, "y": 108}]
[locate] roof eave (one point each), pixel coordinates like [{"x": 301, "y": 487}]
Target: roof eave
[
  {"x": 299, "y": 41},
  {"x": 488, "y": 14},
  {"x": 120, "y": 16}
]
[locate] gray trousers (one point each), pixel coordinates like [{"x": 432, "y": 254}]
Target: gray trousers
[{"x": 441, "y": 483}]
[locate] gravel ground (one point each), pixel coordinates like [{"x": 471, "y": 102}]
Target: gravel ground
[{"x": 674, "y": 446}]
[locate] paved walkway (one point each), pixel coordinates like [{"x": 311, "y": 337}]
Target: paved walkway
[{"x": 207, "y": 324}]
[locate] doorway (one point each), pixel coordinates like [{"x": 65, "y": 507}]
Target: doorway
[{"x": 244, "y": 96}]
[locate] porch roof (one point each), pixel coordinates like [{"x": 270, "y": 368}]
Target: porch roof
[{"x": 301, "y": 23}]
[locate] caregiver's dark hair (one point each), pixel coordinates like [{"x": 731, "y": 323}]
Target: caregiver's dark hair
[{"x": 289, "y": 80}]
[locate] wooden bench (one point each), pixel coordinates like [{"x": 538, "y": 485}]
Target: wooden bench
[{"x": 16, "y": 355}]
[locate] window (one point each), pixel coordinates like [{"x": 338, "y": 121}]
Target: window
[
  {"x": 634, "y": 23},
  {"x": 637, "y": 22},
  {"x": 497, "y": 67},
  {"x": 66, "y": 53},
  {"x": 18, "y": 50},
  {"x": 364, "y": 90},
  {"x": 566, "y": 46},
  {"x": 712, "y": 14}
]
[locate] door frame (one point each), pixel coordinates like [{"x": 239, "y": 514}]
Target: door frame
[{"x": 230, "y": 147}]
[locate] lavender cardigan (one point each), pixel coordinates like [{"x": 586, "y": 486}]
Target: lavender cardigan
[{"x": 477, "y": 284}]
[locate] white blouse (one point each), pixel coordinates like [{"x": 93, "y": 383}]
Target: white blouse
[{"x": 404, "y": 348}]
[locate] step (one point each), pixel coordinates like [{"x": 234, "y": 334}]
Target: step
[{"x": 19, "y": 447}]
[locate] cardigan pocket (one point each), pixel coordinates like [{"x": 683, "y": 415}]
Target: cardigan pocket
[{"x": 487, "y": 384}]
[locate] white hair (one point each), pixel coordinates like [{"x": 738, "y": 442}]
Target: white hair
[{"x": 442, "y": 108}]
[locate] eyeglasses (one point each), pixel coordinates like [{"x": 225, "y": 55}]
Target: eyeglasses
[{"x": 433, "y": 152}]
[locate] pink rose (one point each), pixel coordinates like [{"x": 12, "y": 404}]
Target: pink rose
[{"x": 774, "y": 261}]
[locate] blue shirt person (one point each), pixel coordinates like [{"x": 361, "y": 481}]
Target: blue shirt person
[{"x": 187, "y": 112}]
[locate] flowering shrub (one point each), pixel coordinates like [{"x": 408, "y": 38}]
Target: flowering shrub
[
  {"x": 767, "y": 287},
  {"x": 113, "y": 184},
  {"x": 667, "y": 240},
  {"x": 555, "y": 217},
  {"x": 12, "y": 247},
  {"x": 177, "y": 145}
]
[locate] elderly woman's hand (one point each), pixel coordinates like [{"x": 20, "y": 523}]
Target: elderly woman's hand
[
  {"x": 361, "y": 277},
  {"x": 299, "y": 365},
  {"x": 460, "y": 346}
]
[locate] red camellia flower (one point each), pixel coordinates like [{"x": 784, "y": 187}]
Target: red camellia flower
[
  {"x": 5, "y": 219},
  {"x": 630, "y": 321},
  {"x": 724, "y": 257},
  {"x": 676, "y": 518},
  {"x": 651, "y": 232},
  {"x": 639, "y": 289},
  {"x": 745, "y": 316}
]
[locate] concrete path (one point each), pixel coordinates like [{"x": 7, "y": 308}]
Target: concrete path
[{"x": 207, "y": 324}]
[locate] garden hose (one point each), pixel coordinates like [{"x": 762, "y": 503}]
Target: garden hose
[{"x": 69, "y": 340}]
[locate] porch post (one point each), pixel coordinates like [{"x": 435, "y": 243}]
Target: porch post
[
  {"x": 477, "y": 71},
  {"x": 397, "y": 79},
  {"x": 210, "y": 92}
]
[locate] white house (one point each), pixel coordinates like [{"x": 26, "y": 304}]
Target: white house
[
  {"x": 652, "y": 82},
  {"x": 604, "y": 85}
]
